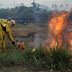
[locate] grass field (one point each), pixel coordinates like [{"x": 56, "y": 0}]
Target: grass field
[
  {"x": 41, "y": 60},
  {"x": 39, "y": 34},
  {"x": 57, "y": 59}
]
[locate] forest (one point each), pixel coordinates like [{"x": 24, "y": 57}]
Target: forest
[{"x": 24, "y": 14}]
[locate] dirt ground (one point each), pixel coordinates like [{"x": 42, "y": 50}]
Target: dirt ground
[
  {"x": 21, "y": 69},
  {"x": 24, "y": 69},
  {"x": 16, "y": 69}
]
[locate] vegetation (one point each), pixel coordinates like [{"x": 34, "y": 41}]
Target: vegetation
[
  {"x": 25, "y": 14},
  {"x": 40, "y": 59}
]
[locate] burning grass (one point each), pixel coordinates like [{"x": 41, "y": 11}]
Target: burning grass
[
  {"x": 60, "y": 30},
  {"x": 40, "y": 59},
  {"x": 54, "y": 56}
]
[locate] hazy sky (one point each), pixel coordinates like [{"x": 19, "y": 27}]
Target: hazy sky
[{"x": 10, "y": 3}]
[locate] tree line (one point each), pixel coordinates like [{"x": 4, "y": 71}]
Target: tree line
[{"x": 24, "y": 14}]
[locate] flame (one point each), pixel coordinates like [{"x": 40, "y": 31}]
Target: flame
[
  {"x": 58, "y": 33},
  {"x": 70, "y": 41},
  {"x": 33, "y": 50}
]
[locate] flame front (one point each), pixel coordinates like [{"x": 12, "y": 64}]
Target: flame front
[{"x": 58, "y": 28}]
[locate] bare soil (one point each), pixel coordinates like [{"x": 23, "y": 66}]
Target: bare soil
[
  {"x": 16, "y": 69},
  {"x": 21, "y": 69}
]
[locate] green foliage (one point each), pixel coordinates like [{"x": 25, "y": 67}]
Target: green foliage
[
  {"x": 25, "y": 14},
  {"x": 60, "y": 58},
  {"x": 40, "y": 59}
]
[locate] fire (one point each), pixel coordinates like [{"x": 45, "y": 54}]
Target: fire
[
  {"x": 70, "y": 43},
  {"x": 69, "y": 36},
  {"x": 58, "y": 28}
]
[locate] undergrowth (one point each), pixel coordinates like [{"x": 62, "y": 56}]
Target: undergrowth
[{"x": 40, "y": 59}]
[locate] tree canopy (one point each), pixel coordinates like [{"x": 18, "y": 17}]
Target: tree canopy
[{"x": 25, "y": 14}]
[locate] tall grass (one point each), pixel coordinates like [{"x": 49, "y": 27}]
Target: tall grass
[
  {"x": 60, "y": 58},
  {"x": 56, "y": 59}
]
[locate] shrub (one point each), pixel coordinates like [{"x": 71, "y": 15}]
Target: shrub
[
  {"x": 40, "y": 59},
  {"x": 60, "y": 58}
]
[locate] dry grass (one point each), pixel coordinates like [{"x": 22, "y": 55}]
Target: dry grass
[{"x": 20, "y": 31}]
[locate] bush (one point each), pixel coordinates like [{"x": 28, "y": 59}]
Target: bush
[
  {"x": 60, "y": 58},
  {"x": 55, "y": 59}
]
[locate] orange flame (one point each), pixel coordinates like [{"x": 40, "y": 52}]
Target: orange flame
[
  {"x": 57, "y": 26},
  {"x": 70, "y": 43}
]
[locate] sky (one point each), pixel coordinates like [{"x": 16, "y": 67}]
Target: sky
[{"x": 10, "y": 3}]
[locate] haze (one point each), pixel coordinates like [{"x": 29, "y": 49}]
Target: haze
[{"x": 10, "y": 3}]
